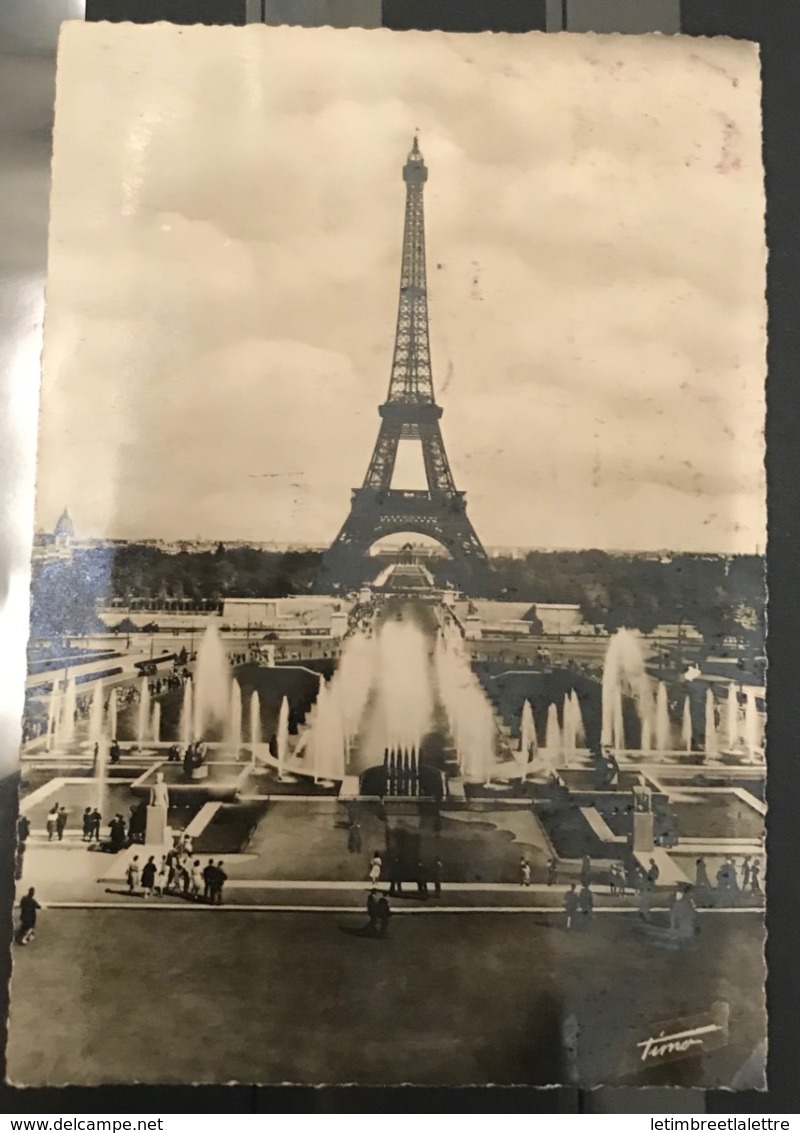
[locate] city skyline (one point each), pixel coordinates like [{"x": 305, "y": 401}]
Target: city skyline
[
  {"x": 572, "y": 258},
  {"x": 493, "y": 549}
]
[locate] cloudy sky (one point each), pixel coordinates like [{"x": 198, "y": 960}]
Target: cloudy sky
[{"x": 224, "y": 259}]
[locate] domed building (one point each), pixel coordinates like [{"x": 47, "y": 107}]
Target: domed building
[
  {"x": 64, "y": 530},
  {"x": 58, "y": 544}
]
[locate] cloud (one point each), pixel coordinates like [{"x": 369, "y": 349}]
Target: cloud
[{"x": 223, "y": 288}]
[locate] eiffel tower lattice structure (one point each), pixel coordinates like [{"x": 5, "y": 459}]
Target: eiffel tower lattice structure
[{"x": 409, "y": 412}]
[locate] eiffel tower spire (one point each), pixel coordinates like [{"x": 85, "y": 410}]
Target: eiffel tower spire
[
  {"x": 411, "y": 378},
  {"x": 410, "y": 412}
]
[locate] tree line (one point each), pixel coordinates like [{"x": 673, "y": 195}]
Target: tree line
[{"x": 719, "y": 595}]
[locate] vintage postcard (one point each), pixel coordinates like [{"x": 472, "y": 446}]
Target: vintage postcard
[{"x": 396, "y": 682}]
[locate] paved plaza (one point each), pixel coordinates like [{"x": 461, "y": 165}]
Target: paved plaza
[{"x": 109, "y": 995}]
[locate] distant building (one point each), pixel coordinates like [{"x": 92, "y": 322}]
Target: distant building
[
  {"x": 683, "y": 631},
  {"x": 58, "y": 545}
]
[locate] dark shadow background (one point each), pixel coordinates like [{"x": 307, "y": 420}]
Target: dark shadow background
[{"x": 777, "y": 28}]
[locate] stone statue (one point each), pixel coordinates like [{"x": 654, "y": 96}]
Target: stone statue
[
  {"x": 159, "y": 792},
  {"x": 642, "y": 800}
]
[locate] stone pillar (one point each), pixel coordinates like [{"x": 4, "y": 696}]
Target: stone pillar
[
  {"x": 156, "y": 829},
  {"x": 642, "y": 832},
  {"x": 338, "y": 624},
  {"x": 473, "y": 627}
]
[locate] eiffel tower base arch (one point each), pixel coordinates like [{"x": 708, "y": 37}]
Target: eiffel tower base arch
[{"x": 375, "y": 514}]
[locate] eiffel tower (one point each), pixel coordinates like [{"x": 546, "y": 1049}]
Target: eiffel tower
[{"x": 409, "y": 412}]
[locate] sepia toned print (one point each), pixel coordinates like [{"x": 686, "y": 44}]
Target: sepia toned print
[{"x": 395, "y": 700}]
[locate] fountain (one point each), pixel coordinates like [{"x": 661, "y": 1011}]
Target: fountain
[
  {"x": 112, "y": 714},
  {"x": 469, "y": 713},
  {"x": 100, "y": 772},
  {"x": 236, "y": 717},
  {"x": 353, "y": 680},
  {"x": 327, "y": 738},
  {"x": 647, "y": 712},
  {"x": 527, "y": 733},
  {"x": 212, "y": 680},
  {"x": 577, "y": 718},
  {"x": 552, "y": 734},
  {"x": 185, "y": 726},
  {"x": 568, "y": 728},
  {"x": 143, "y": 720},
  {"x": 647, "y": 734},
  {"x": 255, "y": 721},
  {"x": 282, "y": 739},
  {"x": 752, "y": 725},
  {"x": 65, "y": 728},
  {"x": 155, "y": 723},
  {"x": 96, "y": 716},
  {"x": 53, "y": 706},
  {"x": 623, "y": 672},
  {"x": 732, "y": 718},
  {"x": 403, "y": 684},
  {"x": 711, "y": 725},
  {"x": 617, "y": 722},
  {"x": 663, "y": 731},
  {"x": 686, "y": 729}
]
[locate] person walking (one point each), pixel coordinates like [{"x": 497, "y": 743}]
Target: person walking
[
  {"x": 197, "y": 888},
  {"x": 220, "y": 877},
  {"x": 552, "y": 871},
  {"x": 422, "y": 881},
  {"x": 755, "y": 876},
  {"x": 586, "y": 905},
  {"x": 570, "y": 905},
  {"x": 61, "y": 822},
  {"x": 383, "y": 913},
  {"x": 724, "y": 884},
  {"x": 208, "y": 880},
  {"x": 96, "y": 823},
  {"x": 733, "y": 879},
  {"x": 375, "y": 867},
  {"x": 161, "y": 883},
  {"x": 184, "y": 872},
  {"x": 148, "y": 877},
  {"x": 52, "y": 822},
  {"x": 28, "y": 908},
  {"x": 87, "y": 825},
  {"x": 524, "y": 872},
  {"x": 438, "y": 870},
  {"x": 747, "y": 870},
  {"x": 23, "y": 829},
  {"x": 132, "y": 875},
  {"x": 702, "y": 880},
  {"x": 653, "y": 873}
]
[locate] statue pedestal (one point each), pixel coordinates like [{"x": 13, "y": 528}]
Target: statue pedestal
[
  {"x": 155, "y": 833},
  {"x": 642, "y": 832}
]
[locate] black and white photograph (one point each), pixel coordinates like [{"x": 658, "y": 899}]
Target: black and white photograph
[{"x": 395, "y": 699}]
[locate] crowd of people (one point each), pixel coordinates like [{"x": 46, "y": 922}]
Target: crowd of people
[{"x": 179, "y": 872}]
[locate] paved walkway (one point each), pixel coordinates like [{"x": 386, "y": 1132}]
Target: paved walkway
[{"x": 66, "y": 879}]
